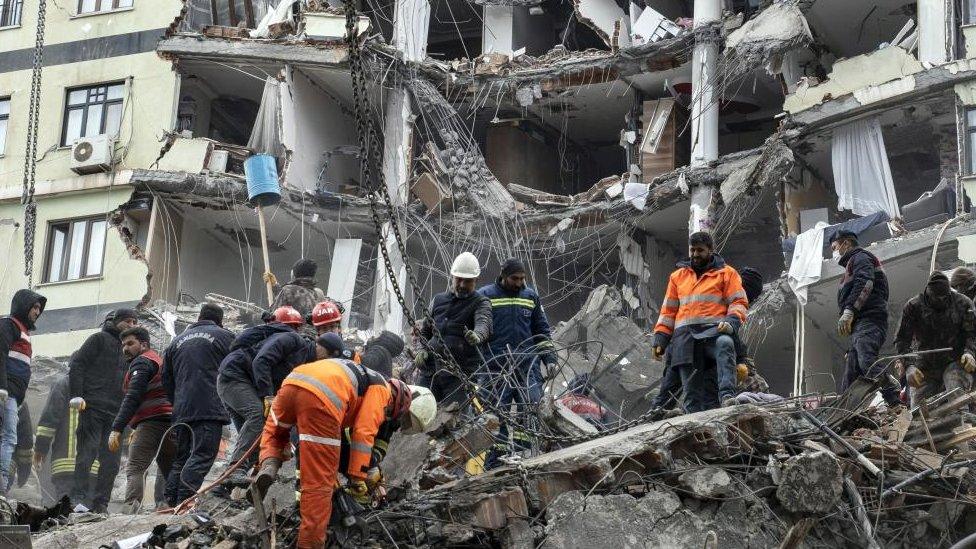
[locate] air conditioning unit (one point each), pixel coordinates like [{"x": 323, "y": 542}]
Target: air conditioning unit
[{"x": 92, "y": 154}]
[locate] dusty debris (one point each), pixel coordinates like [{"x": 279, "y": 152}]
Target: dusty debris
[{"x": 810, "y": 483}]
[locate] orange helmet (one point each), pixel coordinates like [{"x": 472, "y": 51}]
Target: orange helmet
[
  {"x": 325, "y": 312},
  {"x": 288, "y": 315},
  {"x": 402, "y": 396}
]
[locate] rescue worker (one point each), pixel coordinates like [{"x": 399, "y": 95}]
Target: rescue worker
[
  {"x": 320, "y": 399},
  {"x": 148, "y": 411},
  {"x": 190, "y": 379},
  {"x": 332, "y": 346},
  {"x": 462, "y": 322},
  {"x": 95, "y": 375},
  {"x": 521, "y": 338},
  {"x": 963, "y": 280},
  {"x": 747, "y": 378},
  {"x": 326, "y": 317},
  {"x": 57, "y": 441},
  {"x": 863, "y": 302},
  {"x": 937, "y": 318},
  {"x": 703, "y": 308},
  {"x": 15, "y": 371},
  {"x": 236, "y": 385},
  {"x": 303, "y": 293}
]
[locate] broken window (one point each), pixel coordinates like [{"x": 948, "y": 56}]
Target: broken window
[
  {"x": 4, "y": 116},
  {"x": 10, "y": 12},
  {"x": 95, "y": 6},
  {"x": 92, "y": 111},
  {"x": 75, "y": 249}
]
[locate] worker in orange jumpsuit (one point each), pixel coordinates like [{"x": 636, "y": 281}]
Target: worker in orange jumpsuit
[{"x": 322, "y": 398}]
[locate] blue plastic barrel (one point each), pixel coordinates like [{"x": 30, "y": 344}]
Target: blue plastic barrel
[{"x": 262, "y": 180}]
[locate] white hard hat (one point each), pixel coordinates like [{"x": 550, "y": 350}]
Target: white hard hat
[
  {"x": 466, "y": 266},
  {"x": 423, "y": 408}
]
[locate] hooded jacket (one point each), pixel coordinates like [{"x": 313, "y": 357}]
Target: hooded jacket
[
  {"x": 15, "y": 349},
  {"x": 864, "y": 288},
  {"x": 301, "y": 293},
  {"x": 518, "y": 322},
  {"x": 190, "y": 372},
  {"x": 276, "y": 358},
  {"x": 236, "y": 366},
  {"x": 97, "y": 369},
  {"x": 453, "y": 316},
  {"x": 934, "y": 323}
]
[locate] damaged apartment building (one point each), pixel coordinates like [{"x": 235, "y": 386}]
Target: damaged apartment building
[{"x": 587, "y": 137}]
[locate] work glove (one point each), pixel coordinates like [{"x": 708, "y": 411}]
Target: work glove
[
  {"x": 114, "y": 441},
  {"x": 968, "y": 362},
  {"x": 472, "y": 338},
  {"x": 551, "y": 363},
  {"x": 845, "y": 322},
  {"x": 741, "y": 372},
  {"x": 420, "y": 358},
  {"x": 898, "y": 369},
  {"x": 269, "y": 278},
  {"x": 374, "y": 478},
  {"x": 77, "y": 403},
  {"x": 915, "y": 377},
  {"x": 359, "y": 491},
  {"x": 725, "y": 328},
  {"x": 268, "y": 400},
  {"x": 658, "y": 352}
]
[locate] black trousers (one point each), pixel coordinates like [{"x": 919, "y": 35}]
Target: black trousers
[
  {"x": 197, "y": 448},
  {"x": 94, "y": 426}
]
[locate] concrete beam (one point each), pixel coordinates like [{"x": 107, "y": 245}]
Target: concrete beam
[{"x": 199, "y": 47}]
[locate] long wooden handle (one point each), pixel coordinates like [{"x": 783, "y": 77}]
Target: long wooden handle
[{"x": 264, "y": 252}]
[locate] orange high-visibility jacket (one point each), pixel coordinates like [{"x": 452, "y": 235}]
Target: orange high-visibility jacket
[
  {"x": 711, "y": 299},
  {"x": 336, "y": 383}
]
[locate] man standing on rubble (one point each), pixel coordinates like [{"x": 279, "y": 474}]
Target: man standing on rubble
[
  {"x": 303, "y": 293},
  {"x": 520, "y": 340},
  {"x": 461, "y": 322},
  {"x": 15, "y": 370},
  {"x": 938, "y": 318},
  {"x": 148, "y": 411},
  {"x": 190, "y": 380},
  {"x": 963, "y": 280},
  {"x": 863, "y": 303},
  {"x": 704, "y": 306},
  {"x": 56, "y": 438},
  {"x": 237, "y": 386},
  {"x": 95, "y": 375}
]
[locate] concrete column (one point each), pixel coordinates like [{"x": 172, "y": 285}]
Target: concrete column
[
  {"x": 704, "y": 110},
  {"x": 933, "y": 44},
  {"x": 410, "y": 37}
]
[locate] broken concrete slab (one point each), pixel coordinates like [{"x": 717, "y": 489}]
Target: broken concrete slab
[
  {"x": 811, "y": 483},
  {"x": 764, "y": 39},
  {"x": 707, "y": 482}
]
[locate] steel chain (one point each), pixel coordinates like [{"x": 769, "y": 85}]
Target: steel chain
[
  {"x": 30, "y": 157},
  {"x": 367, "y": 138}
]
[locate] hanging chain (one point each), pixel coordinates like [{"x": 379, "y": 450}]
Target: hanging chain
[
  {"x": 369, "y": 143},
  {"x": 30, "y": 157}
]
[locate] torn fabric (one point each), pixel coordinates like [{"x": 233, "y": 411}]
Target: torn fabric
[
  {"x": 862, "y": 175},
  {"x": 807, "y": 264},
  {"x": 266, "y": 135}
]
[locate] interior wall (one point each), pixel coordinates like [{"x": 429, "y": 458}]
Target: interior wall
[
  {"x": 535, "y": 33},
  {"x": 163, "y": 250},
  {"x": 517, "y": 156}
]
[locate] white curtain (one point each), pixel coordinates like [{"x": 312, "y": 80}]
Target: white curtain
[
  {"x": 862, "y": 175},
  {"x": 267, "y": 132}
]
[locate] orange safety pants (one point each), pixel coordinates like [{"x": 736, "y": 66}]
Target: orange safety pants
[{"x": 319, "y": 440}]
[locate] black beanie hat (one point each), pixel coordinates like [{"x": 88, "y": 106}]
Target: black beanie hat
[
  {"x": 511, "y": 266},
  {"x": 389, "y": 341},
  {"x": 378, "y": 359}
]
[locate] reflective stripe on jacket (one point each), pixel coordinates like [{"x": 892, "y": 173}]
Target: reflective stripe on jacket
[
  {"x": 714, "y": 297},
  {"x": 338, "y": 385},
  {"x": 519, "y": 322}
]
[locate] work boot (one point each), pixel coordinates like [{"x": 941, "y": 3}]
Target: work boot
[{"x": 266, "y": 476}]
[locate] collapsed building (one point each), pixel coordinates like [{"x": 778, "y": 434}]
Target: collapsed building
[{"x": 586, "y": 137}]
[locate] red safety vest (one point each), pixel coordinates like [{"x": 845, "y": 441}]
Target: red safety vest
[{"x": 154, "y": 401}]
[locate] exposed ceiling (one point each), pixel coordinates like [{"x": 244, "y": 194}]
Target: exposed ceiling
[{"x": 851, "y": 28}]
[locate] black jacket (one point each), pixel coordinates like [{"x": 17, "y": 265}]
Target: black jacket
[
  {"x": 190, "y": 367},
  {"x": 453, "y": 316},
  {"x": 56, "y": 431},
  {"x": 236, "y": 366},
  {"x": 97, "y": 369},
  {"x": 21, "y": 304},
  {"x": 141, "y": 371},
  {"x": 278, "y": 355},
  {"x": 926, "y": 326},
  {"x": 864, "y": 288}
]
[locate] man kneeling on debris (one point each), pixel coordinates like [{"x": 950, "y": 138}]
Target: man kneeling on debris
[
  {"x": 863, "y": 301},
  {"x": 320, "y": 399},
  {"x": 520, "y": 340},
  {"x": 703, "y": 308},
  {"x": 462, "y": 322},
  {"x": 938, "y": 318},
  {"x": 148, "y": 411}
]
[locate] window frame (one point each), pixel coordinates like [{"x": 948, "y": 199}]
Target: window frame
[
  {"x": 5, "y": 118},
  {"x": 16, "y": 7},
  {"x": 68, "y": 107},
  {"x": 66, "y": 251},
  {"x": 114, "y": 6}
]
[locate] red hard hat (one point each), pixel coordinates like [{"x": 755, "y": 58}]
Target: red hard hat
[
  {"x": 325, "y": 312},
  {"x": 288, "y": 315},
  {"x": 402, "y": 397}
]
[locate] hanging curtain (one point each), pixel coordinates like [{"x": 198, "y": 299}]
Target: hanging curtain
[{"x": 862, "y": 176}]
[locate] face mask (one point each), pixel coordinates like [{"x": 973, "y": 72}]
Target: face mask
[{"x": 836, "y": 254}]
